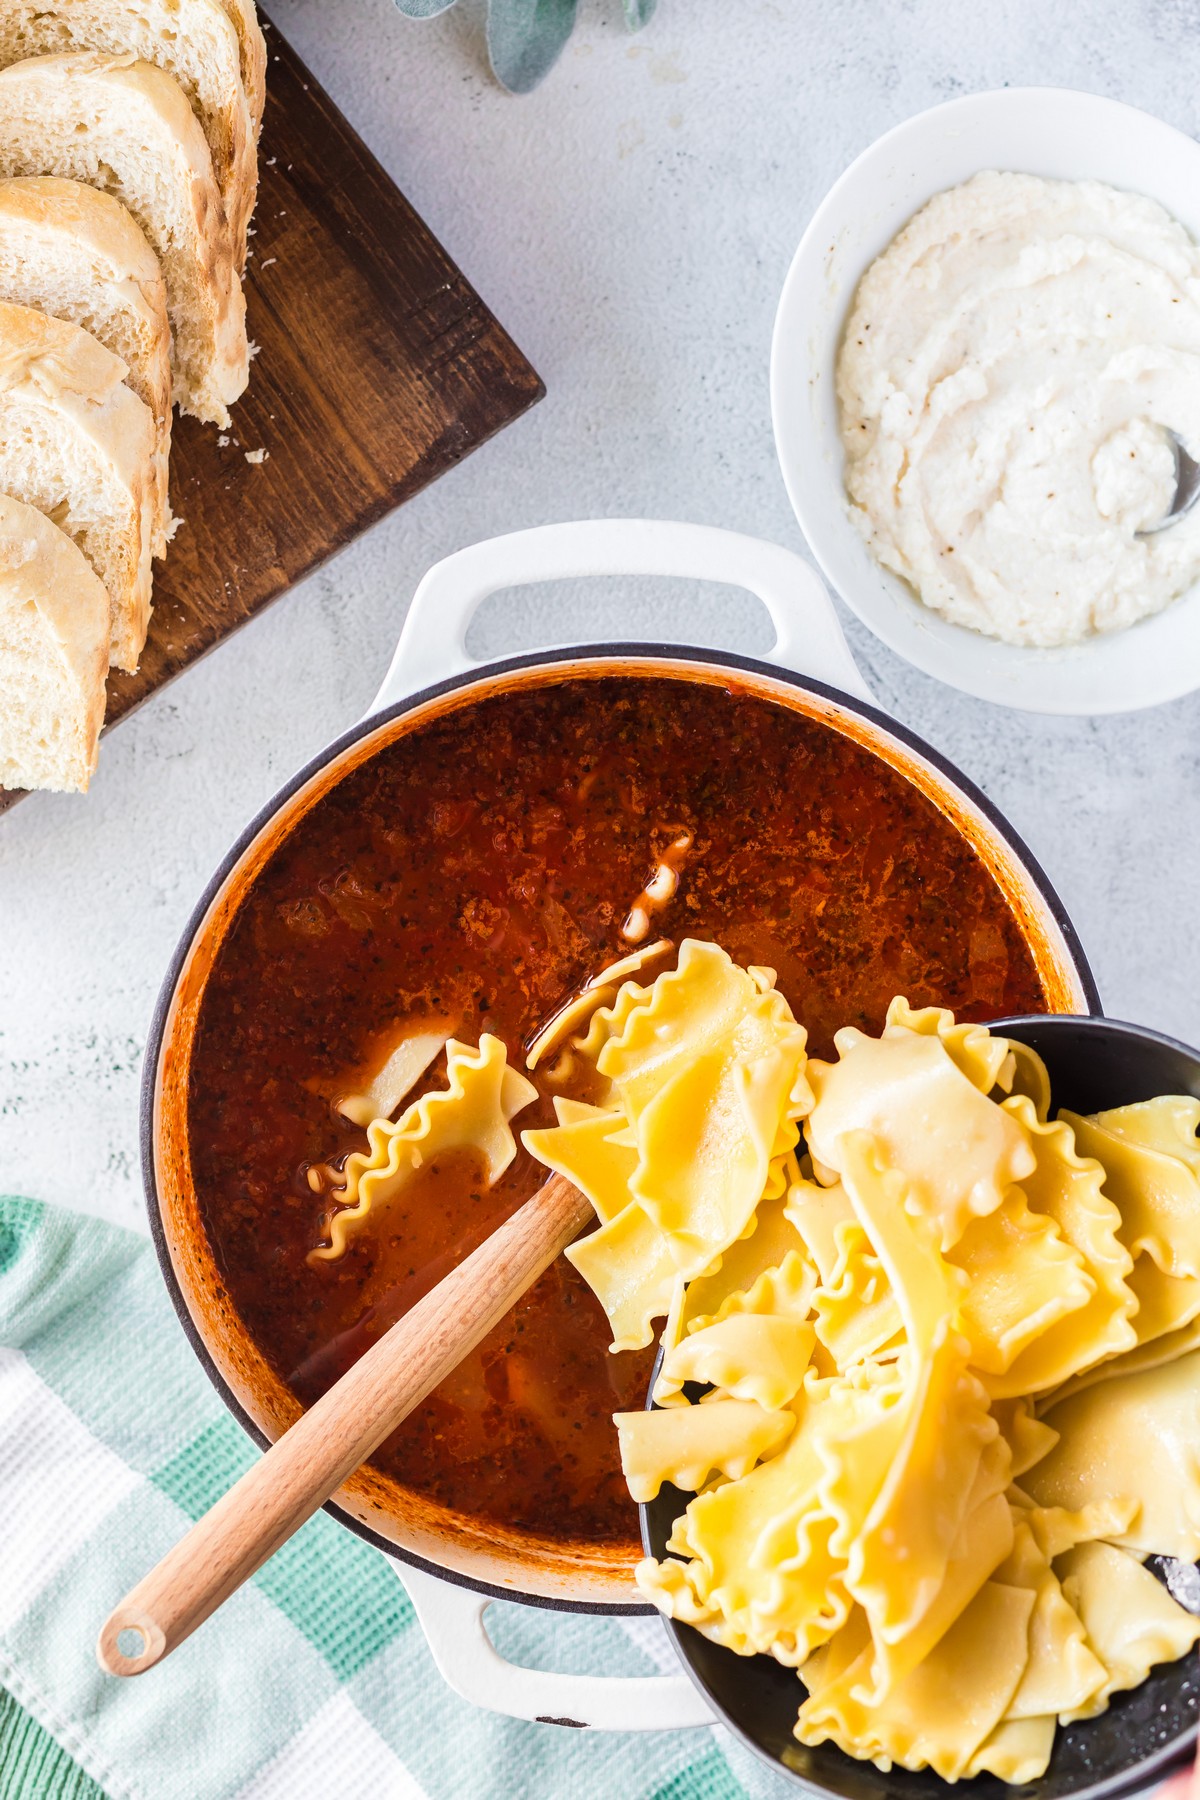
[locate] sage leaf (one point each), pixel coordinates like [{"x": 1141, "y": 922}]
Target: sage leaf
[
  {"x": 525, "y": 39},
  {"x": 638, "y": 13}
]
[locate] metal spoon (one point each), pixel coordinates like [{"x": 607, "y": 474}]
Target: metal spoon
[{"x": 1187, "y": 487}]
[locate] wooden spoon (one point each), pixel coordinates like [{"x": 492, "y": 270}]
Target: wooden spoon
[{"x": 328, "y": 1442}]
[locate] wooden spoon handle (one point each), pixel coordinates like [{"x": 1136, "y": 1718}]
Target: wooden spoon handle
[{"x": 328, "y": 1442}]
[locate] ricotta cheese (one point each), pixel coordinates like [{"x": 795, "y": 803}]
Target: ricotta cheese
[{"x": 1011, "y": 373}]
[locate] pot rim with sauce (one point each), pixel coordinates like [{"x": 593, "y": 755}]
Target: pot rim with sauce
[{"x": 433, "y": 676}]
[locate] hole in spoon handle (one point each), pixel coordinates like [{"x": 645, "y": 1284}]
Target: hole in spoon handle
[{"x": 128, "y": 1624}]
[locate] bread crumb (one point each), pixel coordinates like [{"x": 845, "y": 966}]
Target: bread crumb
[
  {"x": 267, "y": 261},
  {"x": 256, "y": 456},
  {"x": 223, "y": 441}
]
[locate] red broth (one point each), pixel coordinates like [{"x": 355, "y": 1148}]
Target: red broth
[{"x": 481, "y": 868}]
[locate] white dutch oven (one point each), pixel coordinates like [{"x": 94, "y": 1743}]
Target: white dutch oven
[
  {"x": 1035, "y": 131},
  {"x": 454, "y": 1566}
]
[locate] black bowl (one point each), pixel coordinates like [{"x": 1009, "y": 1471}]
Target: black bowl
[{"x": 1094, "y": 1063}]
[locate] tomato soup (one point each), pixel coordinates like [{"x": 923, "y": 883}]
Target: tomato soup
[{"x": 480, "y": 870}]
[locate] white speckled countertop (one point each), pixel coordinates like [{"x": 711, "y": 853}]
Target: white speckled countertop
[{"x": 630, "y": 223}]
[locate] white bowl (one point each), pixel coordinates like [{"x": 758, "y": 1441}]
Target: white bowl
[{"x": 1040, "y": 131}]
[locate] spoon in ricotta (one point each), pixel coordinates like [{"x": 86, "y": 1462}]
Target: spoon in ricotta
[{"x": 1187, "y": 488}]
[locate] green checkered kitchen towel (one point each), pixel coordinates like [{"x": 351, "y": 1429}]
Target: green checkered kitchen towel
[{"x": 314, "y": 1682}]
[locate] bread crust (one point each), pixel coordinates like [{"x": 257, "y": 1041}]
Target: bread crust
[
  {"x": 244, "y": 18},
  {"x": 64, "y": 372},
  {"x": 132, "y": 27},
  {"x": 41, "y": 569},
  {"x": 56, "y": 96},
  {"x": 44, "y": 212}
]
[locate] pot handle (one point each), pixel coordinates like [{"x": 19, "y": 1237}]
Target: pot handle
[
  {"x": 452, "y": 1619},
  {"x": 433, "y": 643}
]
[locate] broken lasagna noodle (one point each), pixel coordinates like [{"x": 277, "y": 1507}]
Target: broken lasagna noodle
[
  {"x": 931, "y": 1359},
  {"x": 471, "y": 1112}
]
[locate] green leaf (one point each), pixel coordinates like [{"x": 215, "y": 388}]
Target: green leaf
[
  {"x": 423, "y": 9},
  {"x": 525, "y": 39},
  {"x": 638, "y": 13}
]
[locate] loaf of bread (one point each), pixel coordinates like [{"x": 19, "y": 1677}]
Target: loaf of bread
[
  {"x": 122, "y": 125},
  {"x": 193, "y": 40},
  {"x": 77, "y": 254},
  {"x": 128, "y": 170},
  {"x": 54, "y": 630},
  {"x": 80, "y": 446}
]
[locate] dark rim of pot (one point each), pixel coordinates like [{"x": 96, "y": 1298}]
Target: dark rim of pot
[
  {"x": 1146, "y": 1034},
  {"x": 562, "y": 657}
]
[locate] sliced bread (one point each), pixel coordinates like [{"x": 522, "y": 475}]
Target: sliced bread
[
  {"x": 122, "y": 125},
  {"x": 79, "y": 445},
  {"x": 244, "y": 19},
  {"x": 74, "y": 252},
  {"x": 53, "y": 654},
  {"x": 193, "y": 40}
]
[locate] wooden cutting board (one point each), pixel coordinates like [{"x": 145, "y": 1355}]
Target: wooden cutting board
[{"x": 378, "y": 368}]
